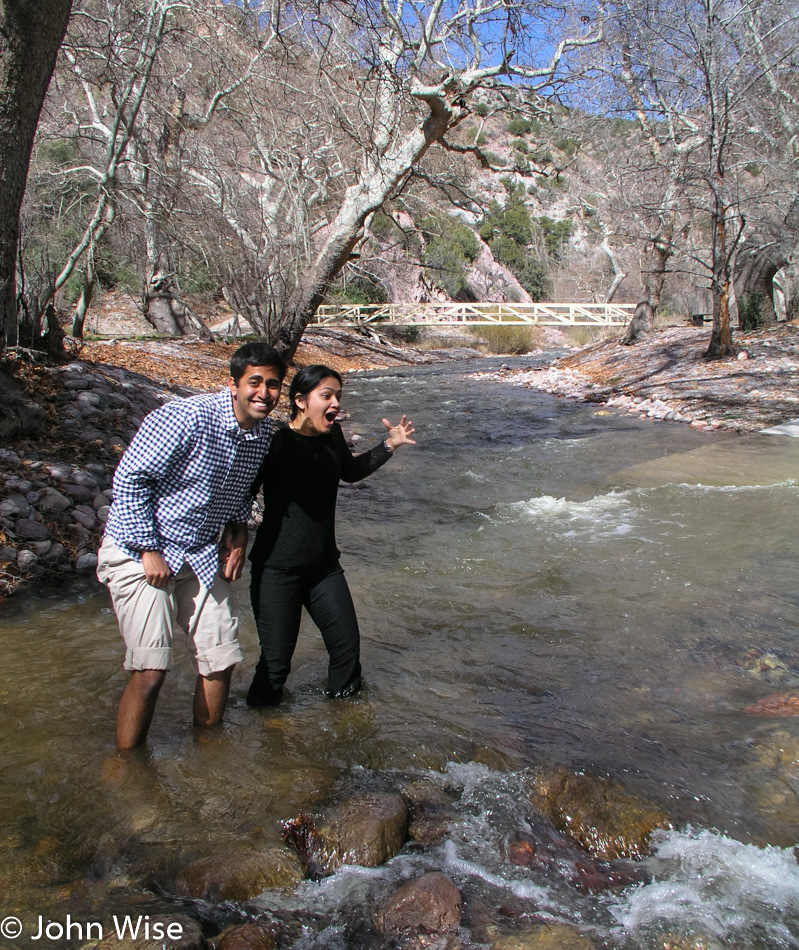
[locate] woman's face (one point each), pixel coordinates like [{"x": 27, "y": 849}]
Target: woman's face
[{"x": 317, "y": 410}]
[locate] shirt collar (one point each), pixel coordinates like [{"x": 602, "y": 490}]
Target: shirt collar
[{"x": 231, "y": 423}]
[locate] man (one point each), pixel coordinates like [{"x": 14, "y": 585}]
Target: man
[{"x": 176, "y": 535}]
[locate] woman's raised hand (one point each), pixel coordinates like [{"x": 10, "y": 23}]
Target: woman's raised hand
[{"x": 400, "y": 434}]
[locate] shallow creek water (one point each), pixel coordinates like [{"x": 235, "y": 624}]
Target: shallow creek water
[{"x": 537, "y": 585}]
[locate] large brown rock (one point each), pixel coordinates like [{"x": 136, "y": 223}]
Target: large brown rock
[
  {"x": 431, "y": 903},
  {"x": 599, "y": 814},
  {"x": 239, "y": 875},
  {"x": 367, "y": 829},
  {"x": 432, "y": 813}
]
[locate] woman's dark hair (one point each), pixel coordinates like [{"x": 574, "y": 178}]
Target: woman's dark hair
[
  {"x": 255, "y": 354},
  {"x": 306, "y": 380}
]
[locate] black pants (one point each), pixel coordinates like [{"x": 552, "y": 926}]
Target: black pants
[{"x": 278, "y": 597}]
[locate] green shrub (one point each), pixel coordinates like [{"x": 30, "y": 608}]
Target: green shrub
[
  {"x": 493, "y": 159},
  {"x": 519, "y": 145},
  {"x": 400, "y": 333},
  {"x": 750, "y": 310},
  {"x": 556, "y": 234},
  {"x": 533, "y": 275},
  {"x": 383, "y": 225},
  {"x": 569, "y": 146},
  {"x": 519, "y": 126},
  {"x": 362, "y": 292},
  {"x": 451, "y": 246},
  {"x": 481, "y": 109},
  {"x": 482, "y": 138}
]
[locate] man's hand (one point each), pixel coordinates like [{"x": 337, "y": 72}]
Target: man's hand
[
  {"x": 156, "y": 570},
  {"x": 232, "y": 550}
]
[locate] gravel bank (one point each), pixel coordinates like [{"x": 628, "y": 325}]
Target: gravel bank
[{"x": 664, "y": 377}]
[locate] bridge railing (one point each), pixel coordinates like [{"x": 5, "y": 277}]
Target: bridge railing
[{"x": 476, "y": 314}]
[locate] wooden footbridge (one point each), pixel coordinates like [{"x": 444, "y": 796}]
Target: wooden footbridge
[{"x": 476, "y": 314}]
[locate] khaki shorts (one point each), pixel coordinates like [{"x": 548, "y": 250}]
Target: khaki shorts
[{"x": 147, "y": 615}]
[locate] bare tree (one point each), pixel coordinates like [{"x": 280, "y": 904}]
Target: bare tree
[{"x": 416, "y": 67}]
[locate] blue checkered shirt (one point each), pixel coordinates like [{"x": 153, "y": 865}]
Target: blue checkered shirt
[{"x": 185, "y": 475}]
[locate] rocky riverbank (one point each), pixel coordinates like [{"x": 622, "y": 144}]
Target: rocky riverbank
[
  {"x": 665, "y": 377},
  {"x": 67, "y": 425}
]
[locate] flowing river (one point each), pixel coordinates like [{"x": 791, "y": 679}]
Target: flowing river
[{"x": 538, "y": 585}]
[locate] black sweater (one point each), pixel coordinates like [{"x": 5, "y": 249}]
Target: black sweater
[{"x": 300, "y": 477}]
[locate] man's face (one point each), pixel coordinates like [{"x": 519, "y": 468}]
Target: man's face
[{"x": 255, "y": 395}]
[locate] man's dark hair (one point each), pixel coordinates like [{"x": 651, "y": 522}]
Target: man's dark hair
[
  {"x": 307, "y": 379},
  {"x": 256, "y": 354}
]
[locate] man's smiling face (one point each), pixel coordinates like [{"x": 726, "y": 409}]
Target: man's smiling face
[{"x": 256, "y": 394}]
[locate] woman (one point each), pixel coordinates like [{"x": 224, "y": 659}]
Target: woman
[{"x": 295, "y": 561}]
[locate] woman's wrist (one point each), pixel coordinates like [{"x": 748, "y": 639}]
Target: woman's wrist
[{"x": 388, "y": 446}]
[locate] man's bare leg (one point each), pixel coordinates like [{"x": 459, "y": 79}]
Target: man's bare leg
[
  {"x": 210, "y": 697},
  {"x": 137, "y": 706}
]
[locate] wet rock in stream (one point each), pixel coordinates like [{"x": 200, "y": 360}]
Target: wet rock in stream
[
  {"x": 599, "y": 814},
  {"x": 431, "y": 904},
  {"x": 366, "y": 829},
  {"x": 239, "y": 875},
  {"x": 432, "y": 811}
]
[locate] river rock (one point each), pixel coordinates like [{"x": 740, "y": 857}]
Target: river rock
[
  {"x": 79, "y": 493},
  {"x": 53, "y": 501},
  {"x": 431, "y": 903},
  {"x": 26, "y": 560},
  {"x": 76, "y": 383},
  {"x": 599, "y": 814},
  {"x": 88, "y": 399},
  {"x": 8, "y": 555},
  {"x": 432, "y": 814},
  {"x": 56, "y": 552},
  {"x": 367, "y": 830},
  {"x": 86, "y": 562},
  {"x": 85, "y": 515},
  {"x": 86, "y": 479},
  {"x": 28, "y": 530},
  {"x": 776, "y": 706},
  {"x": 544, "y": 937},
  {"x": 16, "y": 505},
  {"x": 239, "y": 875},
  {"x": 246, "y": 937},
  {"x": 59, "y": 470}
]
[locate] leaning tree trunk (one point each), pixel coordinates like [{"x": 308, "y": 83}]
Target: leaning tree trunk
[
  {"x": 379, "y": 177},
  {"x": 31, "y": 32}
]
